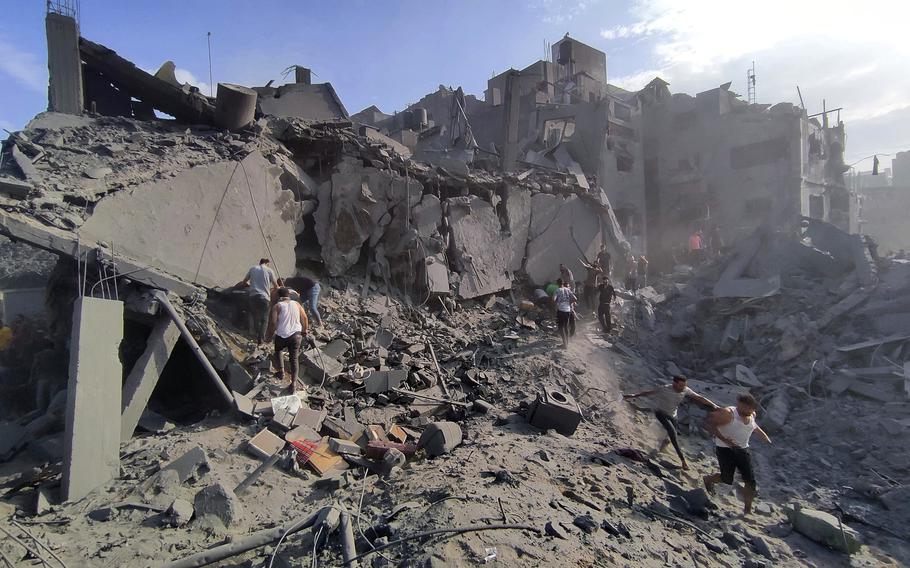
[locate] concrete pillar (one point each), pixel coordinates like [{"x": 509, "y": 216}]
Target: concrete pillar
[
  {"x": 91, "y": 451},
  {"x": 64, "y": 65},
  {"x": 302, "y": 75},
  {"x": 235, "y": 106},
  {"x": 142, "y": 379},
  {"x": 510, "y": 116}
]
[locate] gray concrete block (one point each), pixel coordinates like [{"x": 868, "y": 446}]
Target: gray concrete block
[
  {"x": 145, "y": 373},
  {"x": 220, "y": 502},
  {"x": 192, "y": 464},
  {"x": 343, "y": 447},
  {"x": 91, "y": 455},
  {"x": 555, "y": 410},
  {"x": 440, "y": 438}
]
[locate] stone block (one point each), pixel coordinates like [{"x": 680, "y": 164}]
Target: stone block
[
  {"x": 319, "y": 365},
  {"x": 91, "y": 455},
  {"x": 265, "y": 444},
  {"x": 193, "y": 464},
  {"x": 344, "y": 447},
  {"x": 220, "y": 502},
  {"x": 382, "y": 381},
  {"x": 824, "y": 528},
  {"x": 439, "y": 438},
  {"x": 555, "y": 410}
]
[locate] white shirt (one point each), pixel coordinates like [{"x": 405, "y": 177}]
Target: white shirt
[
  {"x": 288, "y": 319},
  {"x": 736, "y": 430},
  {"x": 262, "y": 280},
  {"x": 667, "y": 400},
  {"x": 564, "y": 298}
]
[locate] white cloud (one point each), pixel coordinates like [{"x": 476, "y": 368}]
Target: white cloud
[
  {"x": 843, "y": 52},
  {"x": 186, "y": 76},
  {"x": 23, "y": 67}
]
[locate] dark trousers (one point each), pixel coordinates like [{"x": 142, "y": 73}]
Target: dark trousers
[
  {"x": 670, "y": 425},
  {"x": 258, "y": 310},
  {"x": 565, "y": 326},
  {"x": 605, "y": 317},
  {"x": 591, "y": 297},
  {"x": 292, "y": 344}
]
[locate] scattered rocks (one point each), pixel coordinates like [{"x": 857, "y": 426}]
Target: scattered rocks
[{"x": 824, "y": 528}]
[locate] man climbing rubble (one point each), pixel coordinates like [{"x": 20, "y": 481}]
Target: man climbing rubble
[
  {"x": 604, "y": 260},
  {"x": 261, "y": 280},
  {"x": 732, "y": 427},
  {"x": 565, "y": 301},
  {"x": 309, "y": 290},
  {"x": 288, "y": 325},
  {"x": 667, "y": 400}
]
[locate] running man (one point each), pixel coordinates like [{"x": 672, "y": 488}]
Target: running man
[
  {"x": 565, "y": 301},
  {"x": 667, "y": 400},
  {"x": 732, "y": 427}
]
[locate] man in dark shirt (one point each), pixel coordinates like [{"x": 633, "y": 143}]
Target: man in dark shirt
[
  {"x": 309, "y": 294},
  {"x": 607, "y": 293}
]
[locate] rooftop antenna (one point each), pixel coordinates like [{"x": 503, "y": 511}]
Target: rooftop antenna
[
  {"x": 750, "y": 83},
  {"x": 208, "y": 37}
]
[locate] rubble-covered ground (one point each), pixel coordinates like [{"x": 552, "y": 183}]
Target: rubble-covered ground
[{"x": 585, "y": 503}]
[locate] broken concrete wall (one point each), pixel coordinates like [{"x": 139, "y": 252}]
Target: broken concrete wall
[
  {"x": 205, "y": 225},
  {"x": 562, "y": 230},
  {"x": 309, "y": 102},
  {"x": 481, "y": 253},
  {"x": 356, "y": 206}
]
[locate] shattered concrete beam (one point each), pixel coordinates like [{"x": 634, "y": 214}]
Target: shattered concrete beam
[
  {"x": 187, "y": 107},
  {"x": 22, "y": 228},
  {"x": 145, "y": 373}
]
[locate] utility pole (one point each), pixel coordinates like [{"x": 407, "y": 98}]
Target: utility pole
[{"x": 208, "y": 38}]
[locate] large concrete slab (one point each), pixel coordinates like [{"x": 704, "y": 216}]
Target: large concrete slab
[
  {"x": 480, "y": 250},
  {"x": 218, "y": 224},
  {"x": 91, "y": 454},
  {"x": 145, "y": 373},
  {"x": 562, "y": 231}
]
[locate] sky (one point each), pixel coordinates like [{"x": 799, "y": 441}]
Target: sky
[{"x": 389, "y": 54}]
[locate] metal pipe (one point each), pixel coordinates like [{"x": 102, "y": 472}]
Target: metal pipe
[
  {"x": 348, "y": 549},
  {"x": 191, "y": 341},
  {"x": 245, "y": 544}
]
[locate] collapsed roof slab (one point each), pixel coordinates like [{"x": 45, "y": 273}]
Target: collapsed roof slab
[
  {"x": 186, "y": 106},
  {"x": 206, "y": 225},
  {"x": 481, "y": 251}
]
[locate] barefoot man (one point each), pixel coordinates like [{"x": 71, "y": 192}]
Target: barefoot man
[
  {"x": 732, "y": 427},
  {"x": 667, "y": 400}
]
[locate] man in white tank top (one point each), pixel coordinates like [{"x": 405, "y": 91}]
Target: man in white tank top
[
  {"x": 288, "y": 325},
  {"x": 732, "y": 427}
]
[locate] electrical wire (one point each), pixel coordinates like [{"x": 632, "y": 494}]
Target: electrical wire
[
  {"x": 258, "y": 220},
  {"x": 214, "y": 221}
]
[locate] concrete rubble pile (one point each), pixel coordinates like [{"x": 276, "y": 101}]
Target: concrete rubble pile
[{"x": 143, "y": 426}]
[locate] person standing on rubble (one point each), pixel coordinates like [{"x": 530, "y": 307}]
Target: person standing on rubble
[
  {"x": 568, "y": 279},
  {"x": 590, "y": 286},
  {"x": 605, "y": 302},
  {"x": 604, "y": 260},
  {"x": 695, "y": 246},
  {"x": 565, "y": 301},
  {"x": 309, "y": 290},
  {"x": 667, "y": 400},
  {"x": 288, "y": 325},
  {"x": 732, "y": 427},
  {"x": 642, "y": 272},
  {"x": 261, "y": 280}
]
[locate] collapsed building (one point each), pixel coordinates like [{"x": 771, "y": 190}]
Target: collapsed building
[{"x": 412, "y": 217}]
